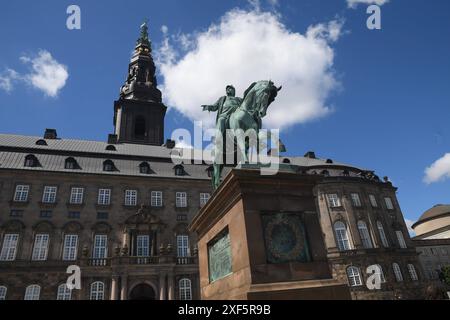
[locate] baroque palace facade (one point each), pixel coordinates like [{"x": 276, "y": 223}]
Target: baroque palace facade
[{"x": 120, "y": 210}]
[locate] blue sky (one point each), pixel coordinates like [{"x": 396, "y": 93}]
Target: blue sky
[{"x": 388, "y": 109}]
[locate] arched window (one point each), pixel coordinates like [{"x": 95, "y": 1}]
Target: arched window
[
  {"x": 179, "y": 170},
  {"x": 340, "y": 230},
  {"x": 109, "y": 166},
  {"x": 110, "y": 147},
  {"x": 383, "y": 237},
  {"x": 185, "y": 289},
  {"x": 412, "y": 272},
  {"x": 365, "y": 235},
  {"x": 140, "y": 129},
  {"x": 3, "y": 291},
  {"x": 41, "y": 142},
  {"x": 64, "y": 293},
  {"x": 32, "y": 292},
  {"x": 397, "y": 272},
  {"x": 354, "y": 277},
  {"x": 210, "y": 171},
  {"x": 144, "y": 168},
  {"x": 401, "y": 239},
  {"x": 31, "y": 161},
  {"x": 97, "y": 291},
  {"x": 380, "y": 273},
  {"x": 71, "y": 164}
]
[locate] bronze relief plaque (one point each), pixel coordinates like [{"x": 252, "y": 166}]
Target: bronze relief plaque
[
  {"x": 285, "y": 238},
  {"x": 219, "y": 256}
]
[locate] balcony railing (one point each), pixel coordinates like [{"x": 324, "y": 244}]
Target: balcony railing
[{"x": 104, "y": 262}]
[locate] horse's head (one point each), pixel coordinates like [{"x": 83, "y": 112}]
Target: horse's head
[{"x": 266, "y": 94}]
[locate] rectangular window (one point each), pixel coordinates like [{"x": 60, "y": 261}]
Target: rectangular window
[
  {"x": 356, "y": 201},
  {"x": 70, "y": 247},
  {"x": 142, "y": 246},
  {"x": 373, "y": 201},
  {"x": 40, "y": 249},
  {"x": 157, "y": 199},
  {"x": 76, "y": 195},
  {"x": 401, "y": 239},
  {"x": 333, "y": 200},
  {"x": 388, "y": 202},
  {"x": 74, "y": 215},
  {"x": 21, "y": 194},
  {"x": 16, "y": 213},
  {"x": 182, "y": 245},
  {"x": 9, "y": 248},
  {"x": 46, "y": 214},
  {"x": 130, "y": 198},
  {"x": 49, "y": 195},
  {"x": 204, "y": 197},
  {"x": 100, "y": 246},
  {"x": 102, "y": 215},
  {"x": 104, "y": 197},
  {"x": 181, "y": 217},
  {"x": 181, "y": 199}
]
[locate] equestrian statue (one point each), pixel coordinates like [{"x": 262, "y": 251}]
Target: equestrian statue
[{"x": 239, "y": 115}]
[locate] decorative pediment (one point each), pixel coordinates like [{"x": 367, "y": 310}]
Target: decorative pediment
[
  {"x": 181, "y": 228},
  {"x": 44, "y": 226},
  {"x": 72, "y": 227},
  {"x": 143, "y": 216},
  {"x": 13, "y": 226},
  {"x": 102, "y": 227}
]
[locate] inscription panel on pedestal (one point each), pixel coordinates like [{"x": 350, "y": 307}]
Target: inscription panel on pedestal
[
  {"x": 219, "y": 256},
  {"x": 285, "y": 238}
]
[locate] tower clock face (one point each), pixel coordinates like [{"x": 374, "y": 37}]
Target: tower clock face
[{"x": 285, "y": 238}]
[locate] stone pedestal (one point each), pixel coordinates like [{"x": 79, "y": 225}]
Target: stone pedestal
[{"x": 260, "y": 238}]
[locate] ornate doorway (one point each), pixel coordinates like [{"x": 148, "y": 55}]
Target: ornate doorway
[{"x": 143, "y": 291}]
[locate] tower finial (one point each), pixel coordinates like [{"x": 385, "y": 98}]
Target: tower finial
[{"x": 143, "y": 39}]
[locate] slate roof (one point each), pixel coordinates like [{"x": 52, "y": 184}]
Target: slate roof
[{"x": 90, "y": 156}]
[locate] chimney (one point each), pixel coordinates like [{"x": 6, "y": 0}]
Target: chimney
[
  {"x": 310, "y": 155},
  {"x": 112, "y": 138},
  {"x": 50, "y": 134}
]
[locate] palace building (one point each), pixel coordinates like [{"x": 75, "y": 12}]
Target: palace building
[{"x": 120, "y": 210}]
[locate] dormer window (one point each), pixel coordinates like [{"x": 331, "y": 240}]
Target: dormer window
[
  {"x": 109, "y": 166},
  {"x": 144, "y": 168},
  {"x": 110, "y": 148},
  {"x": 179, "y": 170},
  {"x": 41, "y": 142},
  {"x": 31, "y": 161},
  {"x": 71, "y": 164},
  {"x": 210, "y": 171},
  {"x": 286, "y": 161},
  {"x": 326, "y": 173}
]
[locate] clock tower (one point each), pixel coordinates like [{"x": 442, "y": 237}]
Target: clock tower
[{"x": 139, "y": 112}]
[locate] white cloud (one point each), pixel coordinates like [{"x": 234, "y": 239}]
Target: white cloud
[
  {"x": 409, "y": 224},
  {"x": 439, "y": 170},
  {"x": 7, "y": 78},
  {"x": 354, "y": 3},
  {"x": 247, "y": 46},
  {"x": 45, "y": 74}
]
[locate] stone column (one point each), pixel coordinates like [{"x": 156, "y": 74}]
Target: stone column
[
  {"x": 171, "y": 289},
  {"x": 162, "y": 286},
  {"x": 124, "y": 290},
  {"x": 115, "y": 288}
]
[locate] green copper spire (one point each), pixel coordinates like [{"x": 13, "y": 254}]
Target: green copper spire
[{"x": 143, "y": 39}]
